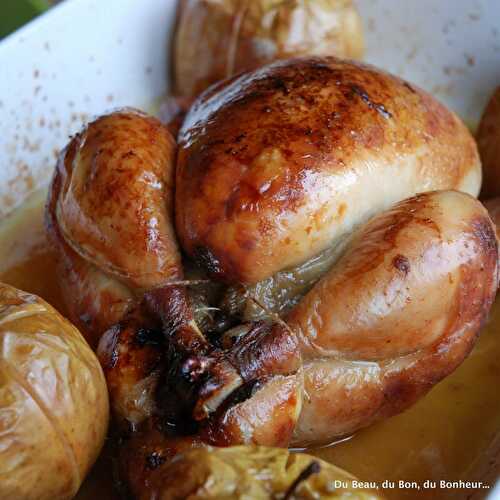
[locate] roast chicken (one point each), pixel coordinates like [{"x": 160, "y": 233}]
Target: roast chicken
[{"x": 306, "y": 257}]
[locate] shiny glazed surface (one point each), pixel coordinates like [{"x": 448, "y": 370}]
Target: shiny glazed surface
[
  {"x": 105, "y": 203},
  {"x": 277, "y": 164},
  {"x": 314, "y": 375},
  {"x": 110, "y": 217},
  {"x": 451, "y": 433},
  {"x": 399, "y": 311}
]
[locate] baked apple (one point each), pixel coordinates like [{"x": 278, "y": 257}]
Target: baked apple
[{"x": 53, "y": 401}]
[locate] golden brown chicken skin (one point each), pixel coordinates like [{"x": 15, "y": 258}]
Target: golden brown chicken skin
[
  {"x": 109, "y": 216},
  {"x": 277, "y": 164},
  {"x": 115, "y": 201},
  {"x": 397, "y": 312},
  {"x": 305, "y": 170}
]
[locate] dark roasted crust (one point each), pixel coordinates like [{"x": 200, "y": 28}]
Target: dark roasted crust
[{"x": 131, "y": 352}]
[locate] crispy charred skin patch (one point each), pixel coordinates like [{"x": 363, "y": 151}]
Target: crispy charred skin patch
[
  {"x": 132, "y": 357},
  {"x": 143, "y": 456},
  {"x": 171, "y": 305}
]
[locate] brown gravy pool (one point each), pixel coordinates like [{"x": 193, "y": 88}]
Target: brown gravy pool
[{"x": 453, "y": 433}]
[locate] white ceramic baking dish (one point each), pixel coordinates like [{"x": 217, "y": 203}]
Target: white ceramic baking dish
[{"x": 87, "y": 56}]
